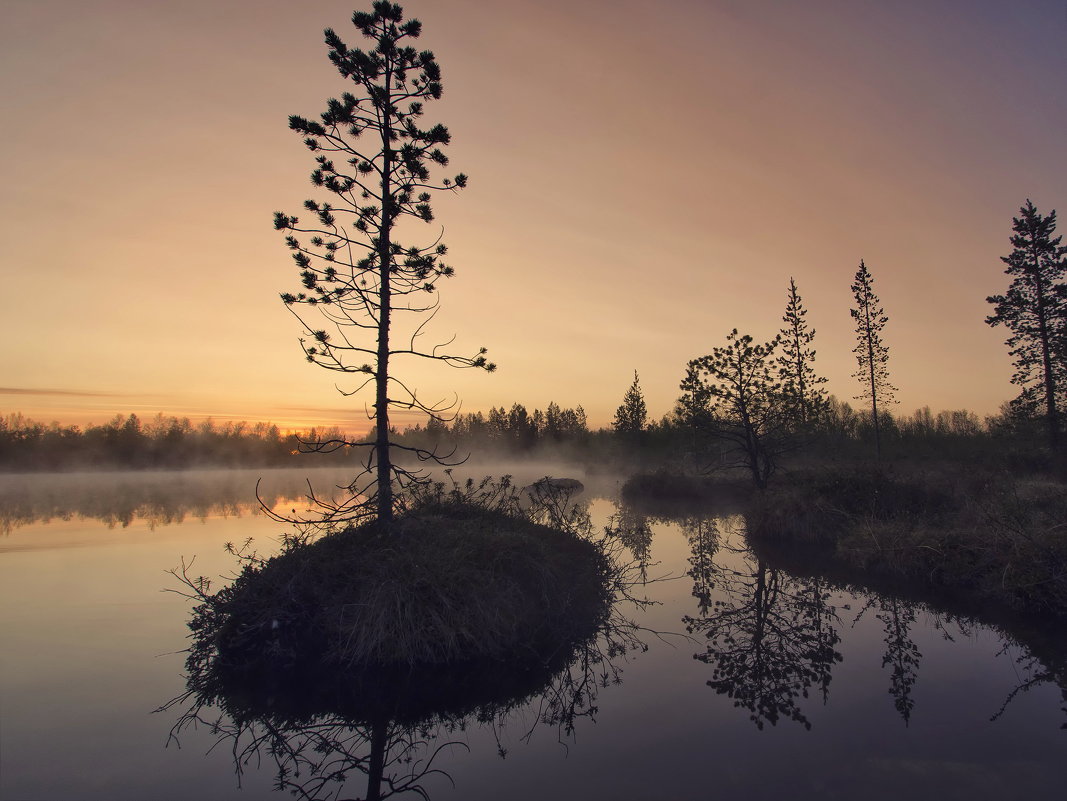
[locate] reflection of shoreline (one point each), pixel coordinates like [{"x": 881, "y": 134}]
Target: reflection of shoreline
[
  {"x": 896, "y": 604},
  {"x": 157, "y": 498},
  {"x": 753, "y": 596}
]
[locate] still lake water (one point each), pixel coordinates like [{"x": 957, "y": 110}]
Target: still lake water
[{"x": 755, "y": 682}]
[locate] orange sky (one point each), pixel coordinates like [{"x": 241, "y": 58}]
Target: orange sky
[{"x": 644, "y": 178}]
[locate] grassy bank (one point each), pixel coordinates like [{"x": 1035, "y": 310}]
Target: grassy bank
[{"x": 990, "y": 537}]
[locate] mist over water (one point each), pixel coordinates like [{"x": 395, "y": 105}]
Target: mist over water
[
  {"x": 158, "y": 497},
  {"x": 166, "y": 497}
]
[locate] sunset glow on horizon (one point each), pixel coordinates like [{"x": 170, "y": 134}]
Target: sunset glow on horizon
[{"x": 643, "y": 179}]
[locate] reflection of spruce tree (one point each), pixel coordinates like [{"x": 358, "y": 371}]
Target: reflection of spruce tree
[
  {"x": 901, "y": 655},
  {"x": 633, "y": 530},
  {"x": 703, "y": 536},
  {"x": 771, "y": 637}
]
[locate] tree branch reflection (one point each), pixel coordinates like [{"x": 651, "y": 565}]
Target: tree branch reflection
[{"x": 771, "y": 637}]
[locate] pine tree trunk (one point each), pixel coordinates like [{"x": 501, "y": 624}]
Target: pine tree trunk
[
  {"x": 1046, "y": 364},
  {"x": 381, "y": 404}
]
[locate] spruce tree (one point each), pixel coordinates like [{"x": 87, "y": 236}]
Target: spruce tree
[
  {"x": 632, "y": 416},
  {"x": 801, "y": 385},
  {"x": 374, "y": 155},
  {"x": 872, "y": 354},
  {"x": 1034, "y": 309}
]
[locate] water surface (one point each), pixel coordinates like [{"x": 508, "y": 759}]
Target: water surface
[{"x": 754, "y": 681}]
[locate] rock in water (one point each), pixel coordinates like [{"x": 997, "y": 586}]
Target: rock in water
[{"x": 549, "y": 484}]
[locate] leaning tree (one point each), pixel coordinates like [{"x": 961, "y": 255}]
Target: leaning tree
[
  {"x": 373, "y": 154},
  {"x": 1034, "y": 309},
  {"x": 872, "y": 355}
]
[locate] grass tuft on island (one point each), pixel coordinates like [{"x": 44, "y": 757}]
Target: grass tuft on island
[{"x": 450, "y": 583}]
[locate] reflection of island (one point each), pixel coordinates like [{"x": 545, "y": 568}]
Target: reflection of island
[
  {"x": 318, "y": 725},
  {"x": 771, "y": 638},
  {"x": 159, "y": 498}
]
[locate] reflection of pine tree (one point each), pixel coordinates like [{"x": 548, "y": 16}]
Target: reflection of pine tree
[
  {"x": 771, "y": 637},
  {"x": 314, "y": 732}
]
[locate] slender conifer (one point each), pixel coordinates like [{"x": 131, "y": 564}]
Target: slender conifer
[
  {"x": 872, "y": 354},
  {"x": 801, "y": 385}
]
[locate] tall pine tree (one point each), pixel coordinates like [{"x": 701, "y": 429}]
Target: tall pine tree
[
  {"x": 375, "y": 157},
  {"x": 872, "y": 354},
  {"x": 1034, "y": 309},
  {"x": 801, "y": 385}
]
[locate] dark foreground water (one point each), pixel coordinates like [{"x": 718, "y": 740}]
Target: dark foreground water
[{"x": 742, "y": 679}]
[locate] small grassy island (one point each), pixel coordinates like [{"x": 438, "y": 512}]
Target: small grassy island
[
  {"x": 350, "y": 648},
  {"x": 448, "y": 583}
]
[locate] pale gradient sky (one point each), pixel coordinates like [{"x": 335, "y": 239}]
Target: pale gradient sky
[{"x": 644, "y": 178}]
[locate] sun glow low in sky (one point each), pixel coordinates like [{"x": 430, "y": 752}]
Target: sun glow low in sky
[{"x": 644, "y": 178}]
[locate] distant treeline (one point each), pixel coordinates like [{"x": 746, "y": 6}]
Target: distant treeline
[
  {"x": 512, "y": 430},
  {"x": 126, "y": 441},
  {"x": 161, "y": 442},
  {"x": 838, "y": 430}
]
